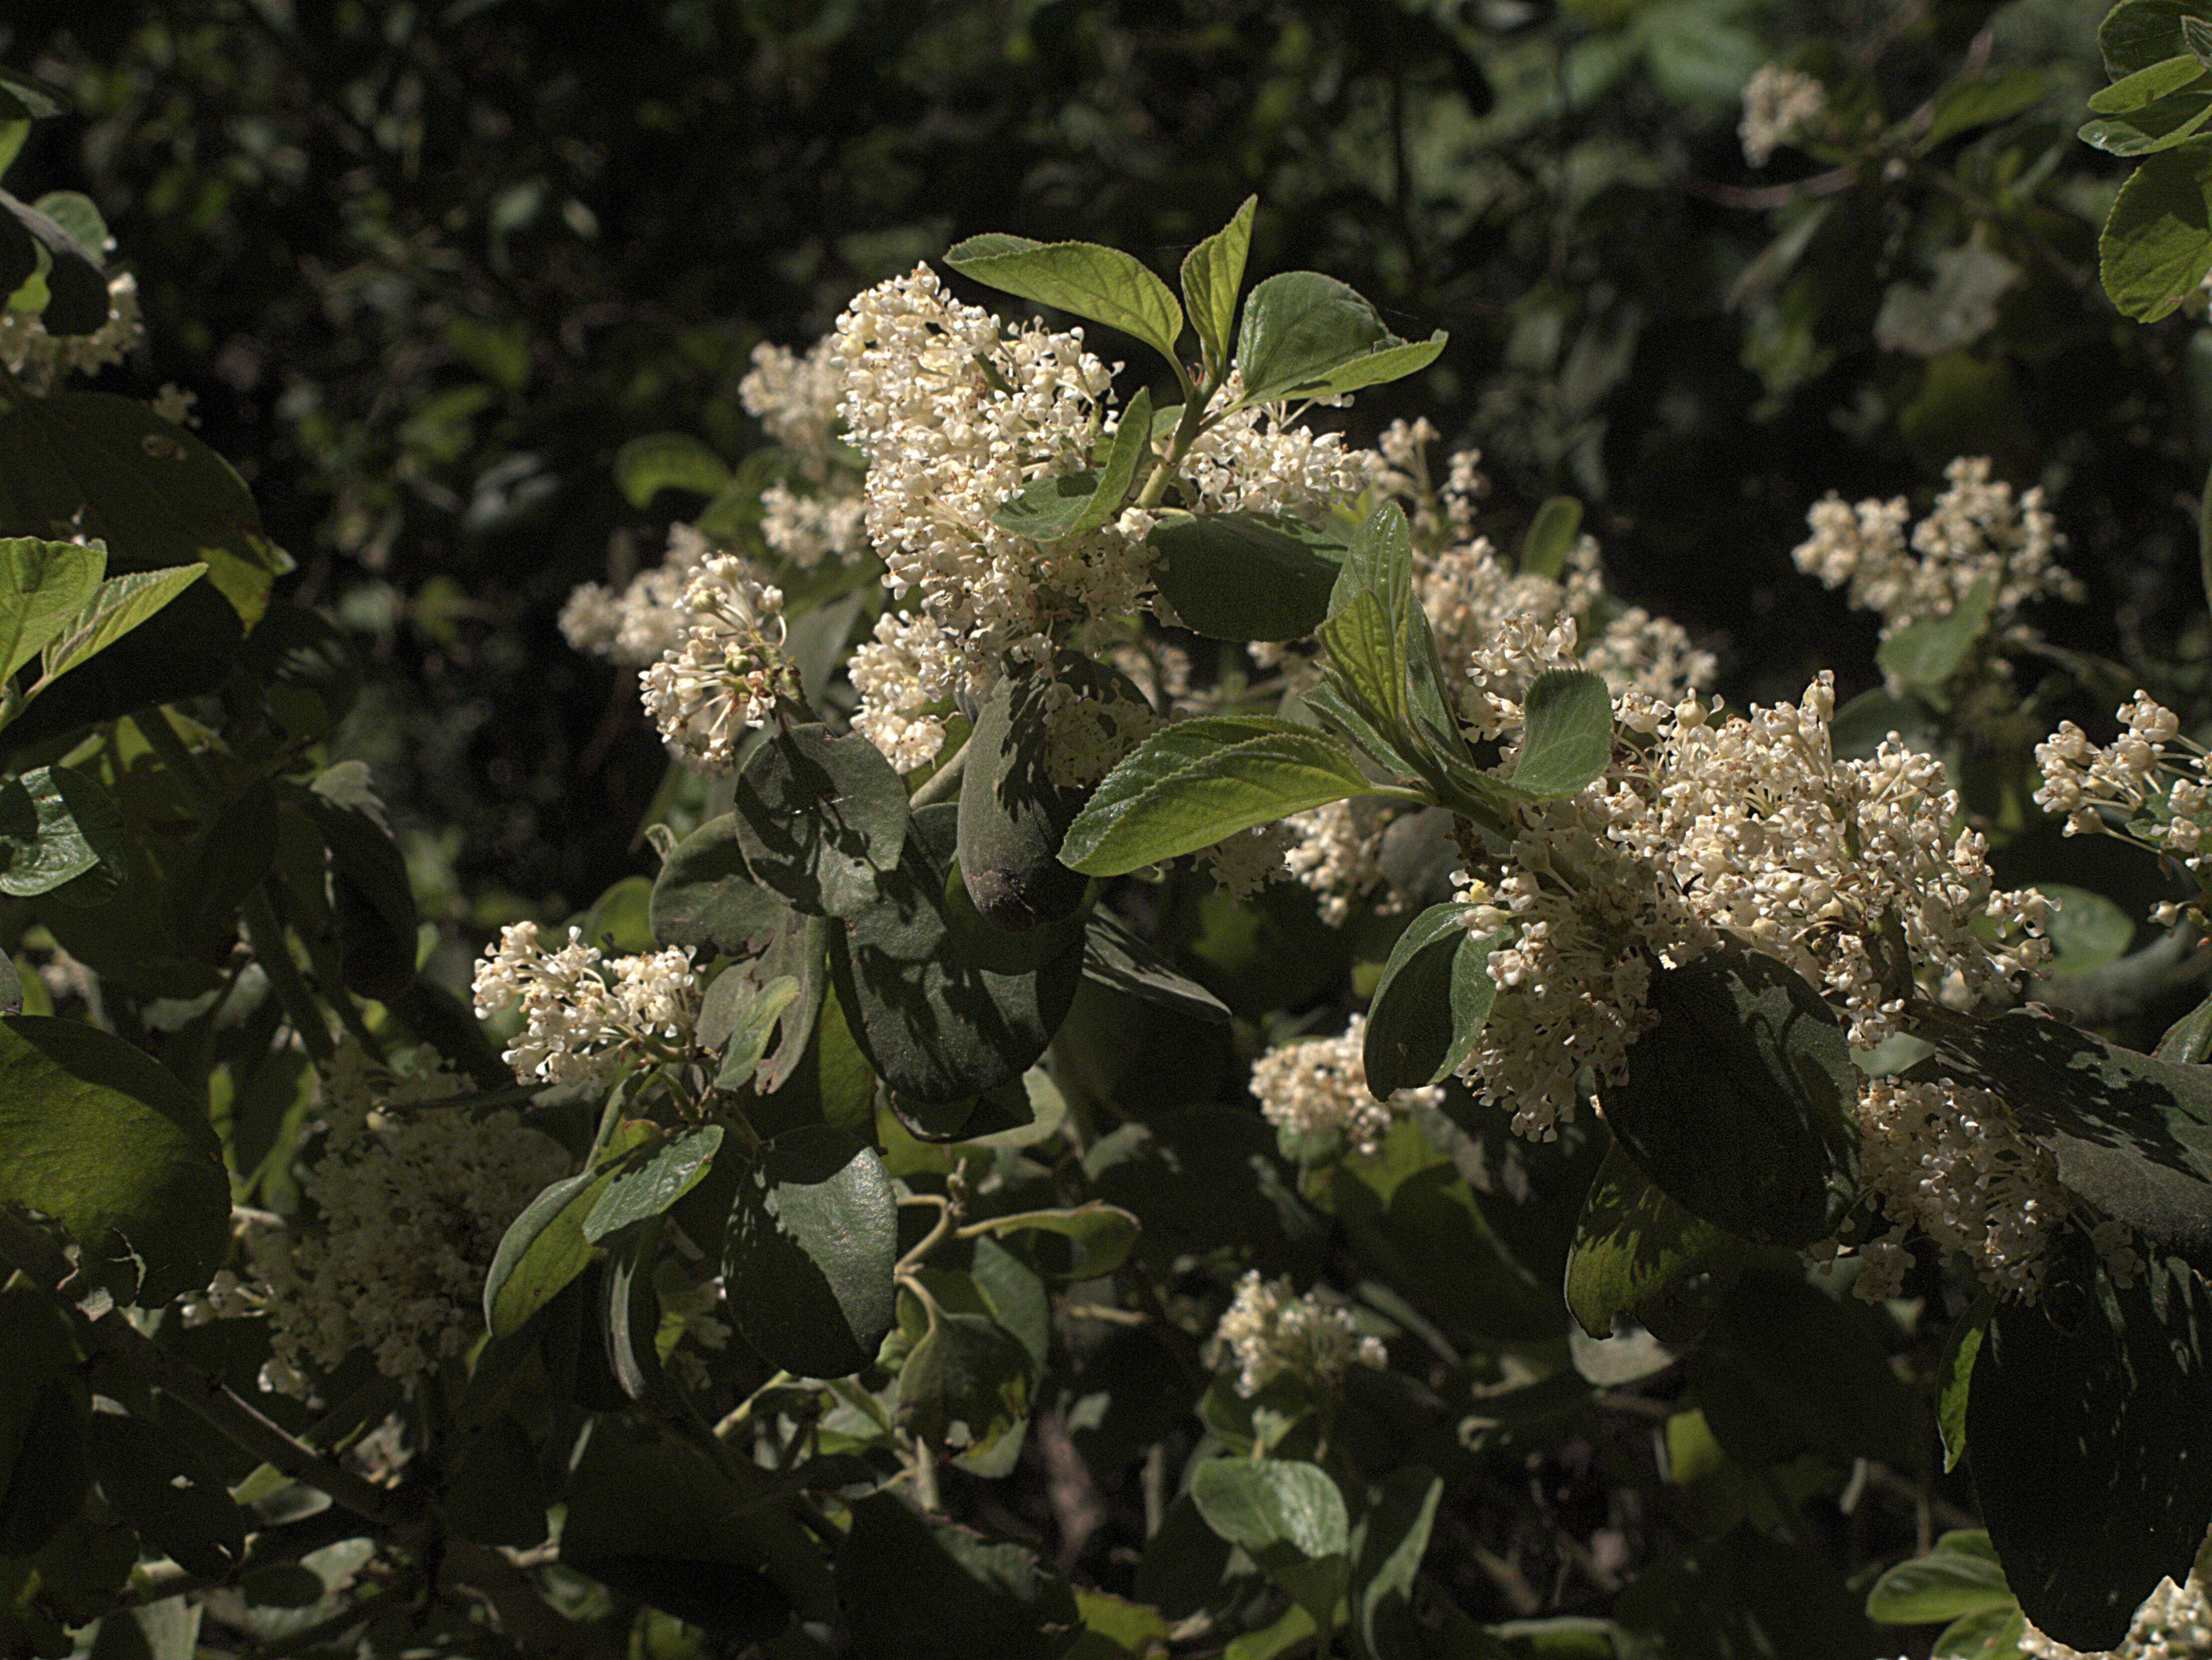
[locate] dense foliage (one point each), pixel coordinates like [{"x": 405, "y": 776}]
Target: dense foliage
[{"x": 1362, "y": 881}]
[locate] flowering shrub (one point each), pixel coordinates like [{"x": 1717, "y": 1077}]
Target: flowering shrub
[{"x": 687, "y": 1292}]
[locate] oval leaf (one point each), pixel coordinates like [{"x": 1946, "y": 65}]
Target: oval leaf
[
  {"x": 1633, "y": 1245},
  {"x": 1101, "y": 283},
  {"x": 100, "y": 1137},
  {"x": 641, "y": 1190},
  {"x": 813, "y": 1239},
  {"x": 1431, "y": 1004},
  {"x": 1299, "y": 326},
  {"x": 1244, "y": 575},
  {"x": 1736, "y": 1103},
  {"x": 1199, "y": 781}
]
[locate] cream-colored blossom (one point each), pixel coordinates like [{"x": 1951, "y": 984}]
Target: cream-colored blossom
[
  {"x": 1270, "y": 1331},
  {"x": 1779, "y": 106},
  {"x": 585, "y": 1018},
  {"x": 726, "y": 673},
  {"x": 1976, "y": 530},
  {"x": 1317, "y": 1085}
]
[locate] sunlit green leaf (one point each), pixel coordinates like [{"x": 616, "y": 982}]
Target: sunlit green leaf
[
  {"x": 42, "y": 585},
  {"x": 2157, "y": 240},
  {"x": 647, "y": 465},
  {"x": 1199, "y": 781},
  {"x": 1101, "y": 283},
  {"x": 1212, "y": 273}
]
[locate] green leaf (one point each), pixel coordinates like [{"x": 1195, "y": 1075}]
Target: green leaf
[
  {"x": 109, "y": 467},
  {"x": 1299, "y": 328},
  {"x": 2089, "y": 929},
  {"x": 706, "y": 896},
  {"x": 628, "y": 1311},
  {"x": 754, "y": 1025},
  {"x": 1552, "y": 537},
  {"x": 1101, "y": 283},
  {"x": 2138, "y": 33},
  {"x": 1115, "y": 957},
  {"x": 2164, "y": 124},
  {"x": 1384, "y": 669},
  {"x": 100, "y": 1137},
  {"x": 1566, "y": 736},
  {"x": 1286, "y": 1515},
  {"x": 2157, "y": 240},
  {"x": 2188, "y": 1040},
  {"x": 965, "y": 1385},
  {"x": 1392, "y": 362},
  {"x": 2094, "y": 1489},
  {"x": 2146, "y": 86},
  {"x": 1994, "y": 95},
  {"x": 1737, "y": 1102},
  {"x": 1960, "y": 1575},
  {"x": 42, "y": 583},
  {"x": 1387, "y": 1547},
  {"x": 1244, "y": 575},
  {"x": 58, "y": 826},
  {"x": 1212, "y": 273},
  {"x": 32, "y": 98},
  {"x": 162, "y": 1487},
  {"x": 1012, "y": 817},
  {"x": 1258, "y": 1504},
  {"x": 76, "y": 297},
  {"x": 1633, "y": 1245},
  {"x": 1922, "y": 654},
  {"x": 813, "y": 1239},
  {"x": 2131, "y": 1133},
  {"x": 1431, "y": 1004},
  {"x": 657, "y": 461},
  {"x": 658, "y": 1522},
  {"x": 230, "y": 857},
  {"x": 1786, "y": 1369},
  {"x": 1992, "y": 1635},
  {"x": 638, "y": 1191},
  {"x": 936, "y": 1023},
  {"x": 117, "y": 606},
  {"x": 496, "y": 1493},
  {"x": 1199, "y": 781},
  {"x": 1954, "y": 1372},
  {"x": 1746, "y": 1594},
  {"x": 1098, "y": 1237},
  {"x": 819, "y": 817},
  {"x": 918, "y": 1588},
  {"x": 541, "y": 1251}
]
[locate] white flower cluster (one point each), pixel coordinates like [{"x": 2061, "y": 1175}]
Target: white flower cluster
[
  {"x": 1320, "y": 1083},
  {"x": 726, "y": 674},
  {"x": 1243, "y": 864},
  {"x": 796, "y": 399},
  {"x": 1338, "y": 854},
  {"x": 405, "y": 1220},
  {"x": 1508, "y": 627},
  {"x": 1270, "y": 1331},
  {"x": 1944, "y": 1158},
  {"x": 1257, "y": 461},
  {"x": 1976, "y": 529},
  {"x": 43, "y": 358},
  {"x": 647, "y": 619},
  {"x": 955, "y": 417},
  {"x": 1750, "y": 828},
  {"x": 2173, "y": 1623},
  {"x": 2150, "y": 770},
  {"x": 1086, "y": 736},
  {"x": 1779, "y": 106},
  {"x": 581, "y": 1026}
]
